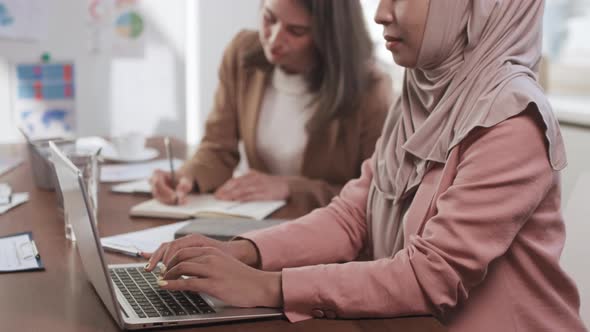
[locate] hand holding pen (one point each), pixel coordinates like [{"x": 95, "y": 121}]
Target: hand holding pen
[
  {"x": 170, "y": 187},
  {"x": 171, "y": 163}
]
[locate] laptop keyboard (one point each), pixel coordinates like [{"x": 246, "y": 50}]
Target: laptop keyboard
[{"x": 140, "y": 289}]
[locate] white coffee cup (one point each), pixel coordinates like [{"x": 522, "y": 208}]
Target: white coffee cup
[{"x": 129, "y": 145}]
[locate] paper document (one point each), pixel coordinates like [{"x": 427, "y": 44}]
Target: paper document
[
  {"x": 7, "y": 164},
  {"x": 147, "y": 240},
  {"x": 17, "y": 254},
  {"x": 207, "y": 206},
  {"x": 91, "y": 144},
  {"x": 133, "y": 187},
  {"x": 136, "y": 171},
  {"x": 17, "y": 199}
]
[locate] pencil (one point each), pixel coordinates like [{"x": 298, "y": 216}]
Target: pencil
[{"x": 172, "y": 175}]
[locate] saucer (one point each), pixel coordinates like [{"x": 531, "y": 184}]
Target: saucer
[{"x": 145, "y": 155}]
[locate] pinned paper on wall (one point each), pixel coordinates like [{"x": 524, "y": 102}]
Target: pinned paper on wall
[
  {"x": 23, "y": 19},
  {"x": 116, "y": 26},
  {"x": 129, "y": 29},
  {"x": 44, "y": 99},
  {"x": 97, "y": 19}
]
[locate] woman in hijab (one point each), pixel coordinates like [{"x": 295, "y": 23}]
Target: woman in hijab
[{"x": 459, "y": 207}]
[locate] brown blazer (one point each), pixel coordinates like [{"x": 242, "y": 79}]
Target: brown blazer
[{"x": 332, "y": 156}]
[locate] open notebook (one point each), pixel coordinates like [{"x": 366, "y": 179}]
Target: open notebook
[{"x": 206, "y": 206}]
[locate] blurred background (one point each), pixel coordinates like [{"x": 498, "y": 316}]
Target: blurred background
[
  {"x": 146, "y": 65},
  {"x": 150, "y": 66},
  {"x": 160, "y": 77}
]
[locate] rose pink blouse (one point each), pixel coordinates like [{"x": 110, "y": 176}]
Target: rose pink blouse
[{"x": 483, "y": 238}]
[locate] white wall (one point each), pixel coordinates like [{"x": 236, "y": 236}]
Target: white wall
[
  {"x": 114, "y": 95},
  {"x": 576, "y": 199},
  {"x": 148, "y": 94},
  {"x": 217, "y": 23}
]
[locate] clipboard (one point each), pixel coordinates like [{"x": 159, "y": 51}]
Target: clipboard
[{"x": 18, "y": 253}]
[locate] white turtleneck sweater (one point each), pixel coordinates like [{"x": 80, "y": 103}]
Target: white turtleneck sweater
[{"x": 281, "y": 137}]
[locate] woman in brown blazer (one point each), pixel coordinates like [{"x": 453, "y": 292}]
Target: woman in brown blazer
[{"x": 305, "y": 97}]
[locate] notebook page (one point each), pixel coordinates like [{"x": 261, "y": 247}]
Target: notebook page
[
  {"x": 17, "y": 199},
  {"x": 207, "y": 205},
  {"x": 195, "y": 204}
]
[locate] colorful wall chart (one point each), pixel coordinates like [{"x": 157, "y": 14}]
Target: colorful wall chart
[
  {"x": 129, "y": 25},
  {"x": 45, "y": 99},
  {"x": 116, "y": 27},
  {"x": 128, "y": 29}
]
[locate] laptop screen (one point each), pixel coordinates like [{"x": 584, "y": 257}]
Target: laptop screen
[{"x": 88, "y": 241}]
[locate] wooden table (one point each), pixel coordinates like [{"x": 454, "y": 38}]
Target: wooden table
[{"x": 62, "y": 299}]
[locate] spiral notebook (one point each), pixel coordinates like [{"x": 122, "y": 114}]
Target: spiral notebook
[{"x": 206, "y": 206}]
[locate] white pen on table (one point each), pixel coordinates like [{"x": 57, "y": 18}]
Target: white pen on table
[
  {"x": 122, "y": 250},
  {"x": 35, "y": 251}
]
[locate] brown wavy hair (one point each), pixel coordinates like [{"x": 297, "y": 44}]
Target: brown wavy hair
[{"x": 344, "y": 66}]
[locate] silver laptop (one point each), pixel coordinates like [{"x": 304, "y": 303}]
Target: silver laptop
[{"x": 131, "y": 294}]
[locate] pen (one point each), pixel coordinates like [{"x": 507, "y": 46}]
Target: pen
[
  {"x": 121, "y": 250},
  {"x": 35, "y": 251},
  {"x": 172, "y": 176}
]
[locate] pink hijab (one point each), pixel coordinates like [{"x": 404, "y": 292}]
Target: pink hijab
[{"x": 477, "y": 67}]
